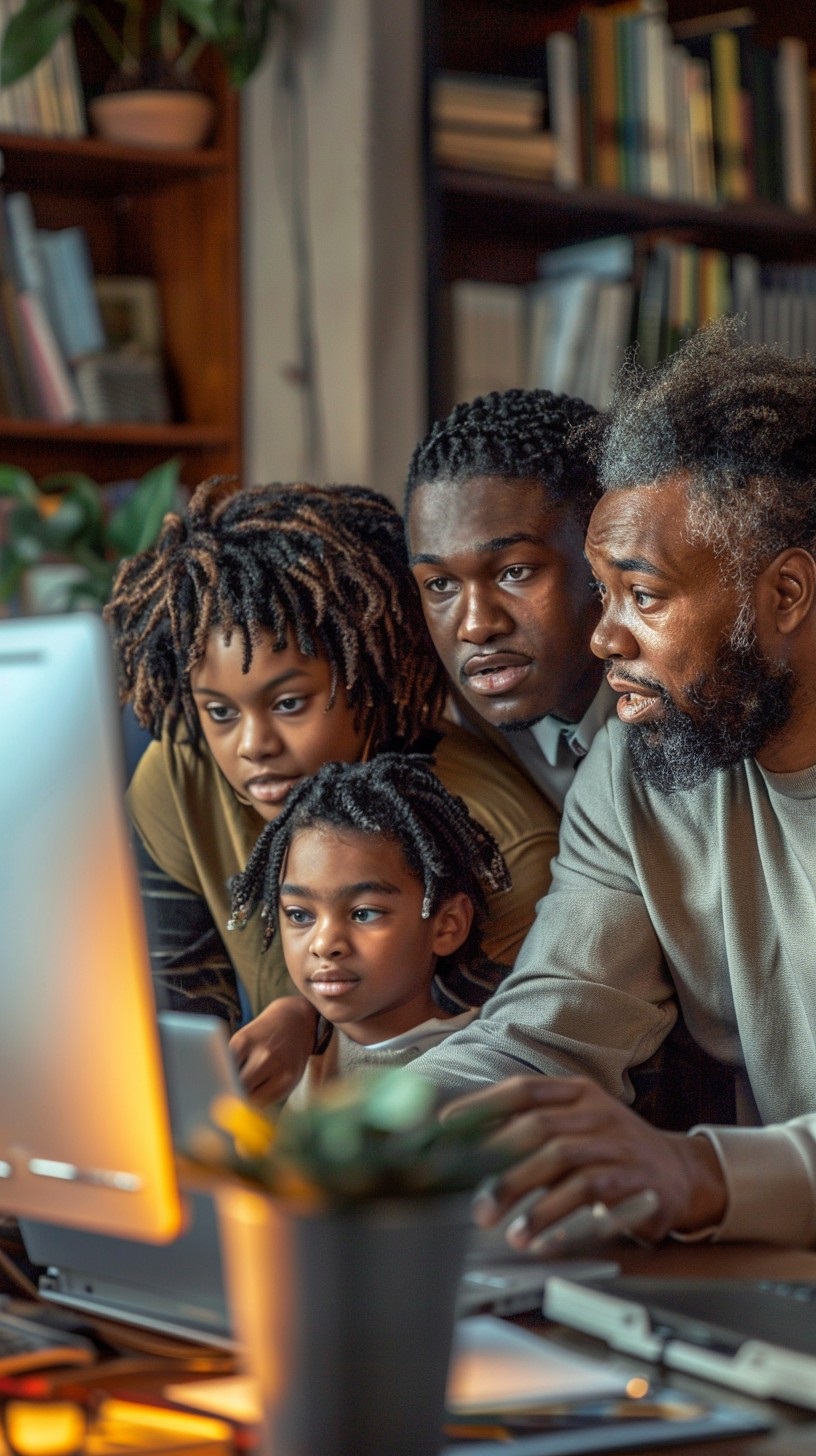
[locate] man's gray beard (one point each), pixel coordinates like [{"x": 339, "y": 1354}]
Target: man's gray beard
[{"x": 739, "y": 705}]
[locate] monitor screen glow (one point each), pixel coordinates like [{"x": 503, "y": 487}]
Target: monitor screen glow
[{"x": 84, "y": 1131}]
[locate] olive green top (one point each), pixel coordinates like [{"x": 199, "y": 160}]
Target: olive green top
[{"x": 198, "y": 832}]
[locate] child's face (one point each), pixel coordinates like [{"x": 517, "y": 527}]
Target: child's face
[
  {"x": 353, "y": 936},
  {"x": 272, "y": 726}
]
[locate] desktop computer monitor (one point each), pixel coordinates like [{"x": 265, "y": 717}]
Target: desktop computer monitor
[{"x": 85, "y": 1136}]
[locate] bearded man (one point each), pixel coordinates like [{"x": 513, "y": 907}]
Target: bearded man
[{"x": 686, "y": 874}]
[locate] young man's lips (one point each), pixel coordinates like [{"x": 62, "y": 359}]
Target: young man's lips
[
  {"x": 269, "y": 790},
  {"x": 489, "y": 676},
  {"x": 636, "y": 703}
]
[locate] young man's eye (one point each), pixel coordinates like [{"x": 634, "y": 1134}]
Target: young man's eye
[
  {"x": 365, "y": 915},
  {"x": 516, "y": 573}
]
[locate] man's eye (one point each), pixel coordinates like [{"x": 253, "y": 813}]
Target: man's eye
[
  {"x": 220, "y": 713},
  {"x": 598, "y": 588},
  {"x": 439, "y": 585},
  {"x": 642, "y": 597},
  {"x": 517, "y": 573},
  {"x": 365, "y": 915}
]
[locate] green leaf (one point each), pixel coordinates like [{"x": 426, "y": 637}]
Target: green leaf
[
  {"x": 11, "y": 571},
  {"x": 201, "y": 15},
  {"x": 30, "y": 35},
  {"x": 25, "y": 531},
  {"x": 83, "y": 502},
  {"x": 138, "y": 520},
  {"x": 18, "y": 483}
]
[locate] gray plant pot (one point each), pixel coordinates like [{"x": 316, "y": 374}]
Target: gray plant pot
[{"x": 354, "y": 1357}]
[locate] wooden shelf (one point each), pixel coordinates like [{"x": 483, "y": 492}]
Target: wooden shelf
[
  {"x": 501, "y": 207},
  {"x": 71, "y": 166}
]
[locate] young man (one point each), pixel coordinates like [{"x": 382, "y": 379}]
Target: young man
[
  {"x": 497, "y": 504},
  {"x": 687, "y": 866}
]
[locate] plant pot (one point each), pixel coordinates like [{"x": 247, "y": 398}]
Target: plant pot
[
  {"x": 154, "y": 118},
  {"x": 346, "y": 1319}
]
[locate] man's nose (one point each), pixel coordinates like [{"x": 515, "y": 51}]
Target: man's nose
[
  {"x": 612, "y": 638},
  {"x": 483, "y": 616}
]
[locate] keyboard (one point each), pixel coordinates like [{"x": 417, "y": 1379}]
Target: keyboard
[{"x": 27, "y": 1345}]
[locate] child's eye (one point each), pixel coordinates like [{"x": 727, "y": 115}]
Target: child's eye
[
  {"x": 289, "y": 705},
  {"x": 220, "y": 713},
  {"x": 365, "y": 915},
  {"x": 296, "y": 916}
]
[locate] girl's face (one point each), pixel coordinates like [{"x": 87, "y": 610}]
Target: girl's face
[
  {"x": 272, "y": 726},
  {"x": 353, "y": 937}
]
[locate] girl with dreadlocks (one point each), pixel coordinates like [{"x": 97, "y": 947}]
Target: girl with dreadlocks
[
  {"x": 268, "y": 631},
  {"x": 376, "y": 878}
]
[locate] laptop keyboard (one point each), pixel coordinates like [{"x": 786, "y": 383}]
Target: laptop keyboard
[{"x": 26, "y": 1345}]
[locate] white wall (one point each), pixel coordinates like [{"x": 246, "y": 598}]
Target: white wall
[{"x": 360, "y": 66}]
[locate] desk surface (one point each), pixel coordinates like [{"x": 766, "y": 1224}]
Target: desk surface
[{"x": 796, "y": 1432}]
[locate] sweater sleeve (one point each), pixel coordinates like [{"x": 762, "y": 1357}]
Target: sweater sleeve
[
  {"x": 590, "y": 992},
  {"x": 770, "y": 1174}
]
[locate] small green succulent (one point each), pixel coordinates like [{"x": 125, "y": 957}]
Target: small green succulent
[{"x": 372, "y": 1136}]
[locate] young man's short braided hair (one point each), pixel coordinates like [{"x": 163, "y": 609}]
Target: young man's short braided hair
[
  {"x": 521, "y": 434},
  {"x": 397, "y": 797},
  {"x": 323, "y": 567}
]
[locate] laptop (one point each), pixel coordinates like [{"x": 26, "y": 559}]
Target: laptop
[
  {"x": 754, "y": 1335},
  {"x": 176, "y": 1289}
]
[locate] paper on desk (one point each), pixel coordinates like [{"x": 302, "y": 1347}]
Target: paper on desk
[{"x": 495, "y": 1366}]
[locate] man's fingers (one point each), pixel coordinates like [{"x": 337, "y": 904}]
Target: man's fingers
[{"x": 518, "y": 1094}]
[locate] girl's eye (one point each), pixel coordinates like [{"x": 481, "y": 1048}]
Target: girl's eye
[
  {"x": 365, "y": 915},
  {"x": 220, "y": 713},
  {"x": 289, "y": 705},
  {"x": 296, "y": 916}
]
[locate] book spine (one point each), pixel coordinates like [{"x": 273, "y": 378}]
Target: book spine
[
  {"x": 58, "y": 397},
  {"x": 794, "y": 108},
  {"x": 565, "y": 120}
]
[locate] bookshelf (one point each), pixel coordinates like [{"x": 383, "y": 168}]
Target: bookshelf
[
  {"x": 494, "y": 228},
  {"x": 172, "y": 216}
]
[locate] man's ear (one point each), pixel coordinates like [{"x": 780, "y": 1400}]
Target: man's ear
[
  {"x": 451, "y": 924},
  {"x": 786, "y": 591}
]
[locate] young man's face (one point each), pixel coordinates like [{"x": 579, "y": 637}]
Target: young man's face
[
  {"x": 272, "y": 726},
  {"x": 507, "y": 597},
  {"x": 693, "y": 700},
  {"x": 353, "y": 936}
]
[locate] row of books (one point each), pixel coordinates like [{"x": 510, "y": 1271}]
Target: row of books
[
  {"x": 570, "y": 329},
  {"x": 698, "y": 110},
  {"x": 49, "y": 101},
  {"x": 73, "y": 347}
]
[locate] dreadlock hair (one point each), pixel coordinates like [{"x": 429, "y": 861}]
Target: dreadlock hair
[
  {"x": 739, "y": 420},
  {"x": 521, "y": 434},
  {"x": 398, "y": 797},
  {"x": 325, "y": 567}
]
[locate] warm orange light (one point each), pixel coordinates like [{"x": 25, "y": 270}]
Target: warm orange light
[
  {"x": 49, "y": 1428},
  {"x": 637, "y": 1387}
]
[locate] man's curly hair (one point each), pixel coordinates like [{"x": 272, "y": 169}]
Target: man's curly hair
[
  {"x": 521, "y": 434},
  {"x": 739, "y": 421}
]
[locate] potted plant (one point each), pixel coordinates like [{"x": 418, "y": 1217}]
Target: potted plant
[
  {"x": 153, "y": 51},
  {"x": 344, "y": 1229},
  {"x": 63, "y": 529}
]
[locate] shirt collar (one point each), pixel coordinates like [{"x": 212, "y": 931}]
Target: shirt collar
[{"x": 552, "y": 733}]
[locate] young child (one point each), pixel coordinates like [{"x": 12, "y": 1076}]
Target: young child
[{"x": 377, "y": 878}]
